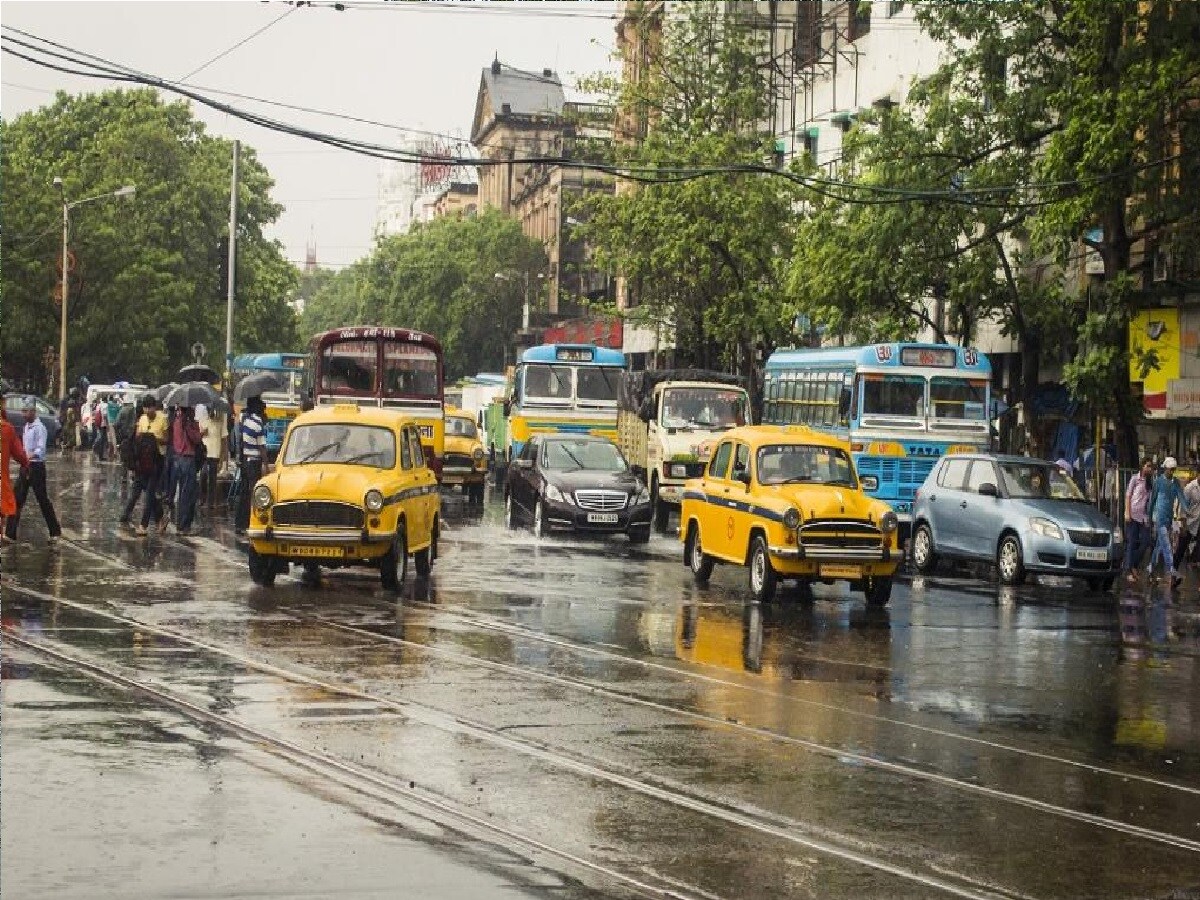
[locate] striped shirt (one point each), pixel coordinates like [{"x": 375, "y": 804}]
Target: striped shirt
[{"x": 252, "y": 437}]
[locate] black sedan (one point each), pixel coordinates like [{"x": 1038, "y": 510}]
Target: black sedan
[{"x": 578, "y": 482}]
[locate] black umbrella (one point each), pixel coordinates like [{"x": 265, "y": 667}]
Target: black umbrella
[
  {"x": 256, "y": 385},
  {"x": 192, "y": 394},
  {"x": 199, "y": 372},
  {"x": 160, "y": 393}
]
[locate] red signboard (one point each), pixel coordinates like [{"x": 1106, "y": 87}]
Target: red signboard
[{"x": 609, "y": 333}]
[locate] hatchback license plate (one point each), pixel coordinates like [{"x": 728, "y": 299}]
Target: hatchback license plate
[
  {"x": 603, "y": 518},
  {"x": 851, "y": 572},
  {"x": 325, "y": 552},
  {"x": 1092, "y": 555}
]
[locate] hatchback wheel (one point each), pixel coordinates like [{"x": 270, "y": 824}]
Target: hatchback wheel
[
  {"x": 1009, "y": 561},
  {"x": 763, "y": 579},
  {"x": 923, "y": 554}
]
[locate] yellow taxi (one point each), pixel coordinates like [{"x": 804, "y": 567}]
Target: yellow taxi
[
  {"x": 464, "y": 462},
  {"x": 785, "y": 502},
  {"x": 351, "y": 487}
]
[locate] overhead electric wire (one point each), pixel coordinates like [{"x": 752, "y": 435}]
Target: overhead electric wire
[
  {"x": 101, "y": 68},
  {"x": 240, "y": 43}
]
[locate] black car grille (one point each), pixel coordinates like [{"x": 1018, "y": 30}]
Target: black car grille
[
  {"x": 601, "y": 500},
  {"x": 318, "y": 513},
  {"x": 1090, "y": 538},
  {"x": 461, "y": 460},
  {"x": 840, "y": 534}
]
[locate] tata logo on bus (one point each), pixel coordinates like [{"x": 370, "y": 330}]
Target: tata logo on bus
[
  {"x": 883, "y": 353},
  {"x": 926, "y": 451}
]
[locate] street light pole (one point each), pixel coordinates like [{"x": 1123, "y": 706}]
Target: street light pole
[{"x": 126, "y": 191}]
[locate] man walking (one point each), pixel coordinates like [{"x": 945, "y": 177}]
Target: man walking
[
  {"x": 185, "y": 441},
  {"x": 1167, "y": 493},
  {"x": 252, "y": 442},
  {"x": 112, "y": 412},
  {"x": 150, "y": 438},
  {"x": 34, "y": 476},
  {"x": 1137, "y": 517}
]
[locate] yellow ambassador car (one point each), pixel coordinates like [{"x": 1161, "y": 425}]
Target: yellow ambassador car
[
  {"x": 785, "y": 502},
  {"x": 351, "y": 487},
  {"x": 464, "y": 461}
]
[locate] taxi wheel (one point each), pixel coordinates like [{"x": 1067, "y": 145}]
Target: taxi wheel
[
  {"x": 1009, "y": 561},
  {"x": 393, "y": 568},
  {"x": 539, "y": 520},
  {"x": 924, "y": 557},
  {"x": 662, "y": 512},
  {"x": 639, "y": 535},
  {"x": 878, "y": 591},
  {"x": 262, "y": 568},
  {"x": 312, "y": 574},
  {"x": 763, "y": 579},
  {"x": 698, "y": 561},
  {"x": 423, "y": 559}
]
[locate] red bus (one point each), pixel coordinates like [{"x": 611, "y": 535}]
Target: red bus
[{"x": 392, "y": 368}]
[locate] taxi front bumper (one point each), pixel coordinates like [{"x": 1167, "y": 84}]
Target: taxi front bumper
[
  {"x": 452, "y": 475},
  {"x": 838, "y": 554}
]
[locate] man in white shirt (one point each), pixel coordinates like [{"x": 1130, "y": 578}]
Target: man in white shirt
[{"x": 34, "y": 440}]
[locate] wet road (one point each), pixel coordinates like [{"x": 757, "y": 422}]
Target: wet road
[{"x": 576, "y": 718}]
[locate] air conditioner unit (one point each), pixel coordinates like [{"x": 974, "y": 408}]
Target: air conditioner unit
[{"x": 1162, "y": 264}]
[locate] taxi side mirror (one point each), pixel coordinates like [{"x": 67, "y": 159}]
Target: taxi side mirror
[
  {"x": 743, "y": 478},
  {"x": 868, "y": 482}
]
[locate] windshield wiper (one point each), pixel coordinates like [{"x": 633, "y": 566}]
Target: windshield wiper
[
  {"x": 578, "y": 464},
  {"x": 800, "y": 479},
  {"x": 309, "y": 457},
  {"x": 358, "y": 457}
]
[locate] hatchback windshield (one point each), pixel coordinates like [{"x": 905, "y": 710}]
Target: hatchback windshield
[
  {"x": 457, "y": 427},
  {"x": 1034, "y": 481},
  {"x": 363, "y": 445},
  {"x": 804, "y": 464},
  {"x": 894, "y": 395},
  {"x": 593, "y": 456}
]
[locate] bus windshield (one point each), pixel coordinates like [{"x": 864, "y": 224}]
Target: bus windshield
[
  {"x": 348, "y": 367},
  {"x": 894, "y": 395},
  {"x": 597, "y": 384},
  {"x": 410, "y": 370},
  {"x": 693, "y": 407},
  {"x": 958, "y": 398},
  {"x": 548, "y": 383}
]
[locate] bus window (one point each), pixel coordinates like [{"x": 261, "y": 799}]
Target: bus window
[
  {"x": 548, "y": 382},
  {"x": 409, "y": 370},
  {"x": 348, "y": 367},
  {"x": 894, "y": 395}
]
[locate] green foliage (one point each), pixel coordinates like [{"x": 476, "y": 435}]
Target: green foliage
[
  {"x": 702, "y": 256},
  {"x": 439, "y": 278},
  {"x": 146, "y": 286}
]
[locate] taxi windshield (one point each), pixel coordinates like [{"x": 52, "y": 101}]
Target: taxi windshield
[
  {"x": 804, "y": 464},
  {"x": 460, "y": 427},
  {"x": 591, "y": 456},
  {"x": 362, "y": 445}
]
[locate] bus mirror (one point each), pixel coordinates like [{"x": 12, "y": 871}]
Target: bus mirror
[{"x": 869, "y": 482}]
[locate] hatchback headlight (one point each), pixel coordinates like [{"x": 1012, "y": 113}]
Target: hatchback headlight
[
  {"x": 1046, "y": 528},
  {"x": 373, "y": 501},
  {"x": 678, "y": 471},
  {"x": 791, "y": 519},
  {"x": 553, "y": 493},
  {"x": 889, "y": 522},
  {"x": 262, "y": 497}
]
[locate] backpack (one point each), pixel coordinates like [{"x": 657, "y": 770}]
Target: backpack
[
  {"x": 128, "y": 458},
  {"x": 145, "y": 454}
]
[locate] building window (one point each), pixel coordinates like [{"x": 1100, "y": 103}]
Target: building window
[
  {"x": 894, "y": 7},
  {"x": 860, "y": 18}
]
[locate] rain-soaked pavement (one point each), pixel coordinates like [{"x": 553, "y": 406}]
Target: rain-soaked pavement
[{"x": 571, "y": 718}]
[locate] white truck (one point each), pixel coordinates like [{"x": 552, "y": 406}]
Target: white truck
[{"x": 667, "y": 421}]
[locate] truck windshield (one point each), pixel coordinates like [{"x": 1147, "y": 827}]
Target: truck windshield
[{"x": 694, "y": 407}]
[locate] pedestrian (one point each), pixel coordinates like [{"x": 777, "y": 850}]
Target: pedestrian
[
  {"x": 69, "y": 435},
  {"x": 252, "y": 455},
  {"x": 1137, "y": 517},
  {"x": 33, "y": 476},
  {"x": 1162, "y": 514},
  {"x": 149, "y": 441},
  {"x": 99, "y": 429},
  {"x": 187, "y": 446},
  {"x": 211, "y": 427},
  {"x": 10, "y": 448},
  {"x": 1187, "y": 544},
  {"x": 112, "y": 412}
]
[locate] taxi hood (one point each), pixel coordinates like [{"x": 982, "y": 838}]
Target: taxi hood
[
  {"x": 826, "y": 501},
  {"x": 325, "y": 481}
]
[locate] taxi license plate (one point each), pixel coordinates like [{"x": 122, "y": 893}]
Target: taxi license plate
[
  {"x": 1092, "y": 555},
  {"x": 603, "y": 518},
  {"x": 325, "y": 552},
  {"x": 851, "y": 572}
]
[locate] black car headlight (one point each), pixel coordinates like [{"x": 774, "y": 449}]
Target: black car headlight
[
  {"x": 262, "y": 497},
  {"x": 373, "y": 501}
]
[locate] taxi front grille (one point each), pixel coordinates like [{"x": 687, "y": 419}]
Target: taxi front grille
[
  {"x": 601, "y": 501},
  {"x": 840, "y": 534},
  {"x": 318, "y": 514},
  {"x": 458, "y": 459}
]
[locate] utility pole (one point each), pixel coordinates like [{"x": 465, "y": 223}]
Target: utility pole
[{"x": 232, "y": 273}]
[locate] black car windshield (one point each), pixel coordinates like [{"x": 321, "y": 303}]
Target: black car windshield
[
  {"x": 1037, "y": 481},
  {"x": 361, "y": 445},
  {"x": 804, "y": 464},
  {"x": 590, "y": 456}
]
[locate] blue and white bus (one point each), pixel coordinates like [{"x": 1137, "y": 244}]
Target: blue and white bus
[
  {"x": 900, "y": 406},
  {"x": 569, "y": 388}
]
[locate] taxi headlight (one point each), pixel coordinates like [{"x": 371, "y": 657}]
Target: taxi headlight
[
  {"x": 791, "y": 519},
  {"x": 478, "y": 454},
  {"x": 262, "y": 497},
  {"x": 1046, "y": 528},
  {"x": 889, "y": 522},
  {"x": 374, "y": 501},
  {"x": 678, "y": 471}
]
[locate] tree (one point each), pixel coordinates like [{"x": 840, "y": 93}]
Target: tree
[
  {"x": 146, "y": 285},
  {"x": 702, "y": 254},
  {"x": 440, "y": 278}
]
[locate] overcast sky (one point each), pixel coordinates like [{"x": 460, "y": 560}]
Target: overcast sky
[{"x": 413, "y": 65}]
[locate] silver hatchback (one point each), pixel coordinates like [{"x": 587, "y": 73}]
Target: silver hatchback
[{"x": 1022, "y": 514}]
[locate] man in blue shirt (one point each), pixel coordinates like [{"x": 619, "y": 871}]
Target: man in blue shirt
[
  {"x": 1167, "y": 493},
  {"x": 34, "y": 439}
]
